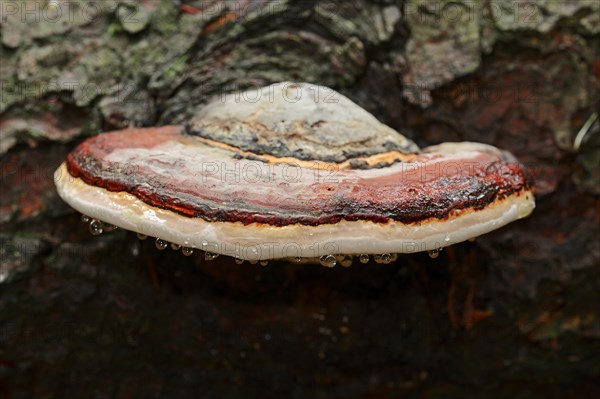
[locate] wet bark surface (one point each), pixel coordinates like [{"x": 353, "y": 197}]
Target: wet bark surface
[{"x": 514, "y": 314}]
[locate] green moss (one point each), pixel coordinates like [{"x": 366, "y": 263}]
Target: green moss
[
  {"x": 169, "y": 73},
  {"x": 165, "y": 19},
  {"x": 114, "y": 29}
]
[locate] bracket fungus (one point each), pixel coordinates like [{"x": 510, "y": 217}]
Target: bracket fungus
[{"x": 292, "y": 170}]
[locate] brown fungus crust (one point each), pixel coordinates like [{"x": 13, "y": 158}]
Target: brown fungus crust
[{"x": 160, "y": 167}]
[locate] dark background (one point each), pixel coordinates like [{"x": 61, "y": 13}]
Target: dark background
[{"x": 515, "y": 314}]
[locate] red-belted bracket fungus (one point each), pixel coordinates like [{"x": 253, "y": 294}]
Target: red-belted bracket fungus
[{"x": 292, "y": 170}]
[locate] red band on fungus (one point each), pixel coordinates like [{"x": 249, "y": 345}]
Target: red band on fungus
[{"x": 171, "y": 170}]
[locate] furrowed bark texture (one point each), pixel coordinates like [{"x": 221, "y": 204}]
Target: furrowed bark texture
[{"x": 514, "y": 314}]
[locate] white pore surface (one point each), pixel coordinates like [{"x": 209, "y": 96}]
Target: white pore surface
[{"x": 261, "y": 242}]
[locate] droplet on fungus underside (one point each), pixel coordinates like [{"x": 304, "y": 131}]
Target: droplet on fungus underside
[{"x": 295, "y": 171}]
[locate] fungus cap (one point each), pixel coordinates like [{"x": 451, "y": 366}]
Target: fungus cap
[{"x": 258, "y": 176}]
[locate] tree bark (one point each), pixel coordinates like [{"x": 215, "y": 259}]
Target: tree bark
[{"x": 514, "y": 314}]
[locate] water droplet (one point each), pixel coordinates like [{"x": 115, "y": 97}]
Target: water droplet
[
  {"x": 161, "y": 244},
  {"x": 434, "y": 253},
  {"x": 210, "y": 255},
  {"x": 328, "y": 261},
  {"x": 135, "y": 249},
  {"x": 109, "y": 227},
  {"x": 85, "y": 219},
  {"x": 239, "y": 261},
  {"x": 473, "y": 239},
  {"x": 394, "y": 257},
  {"x": 364, "y": 258},
  {"x": 447, "y": 239},
  {"x": 377, "y": 259},
  {"x": 297, "y": 259},
  {"x": 253, "y": 261},
  {"x": 386, "y": 259},
  {"x": 204, "y": 243},
  {"x": 264, "y": 262},
  {"x": 346, "y": 261},
  {"x": 187, "y": 251},
  {"x": 141, "y": 236},
  {"x": 95, "y": 227},
  {"x": 175, "y": 247}
]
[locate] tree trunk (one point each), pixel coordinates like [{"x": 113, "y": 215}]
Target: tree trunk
[{"x": 514, "y": 314}]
